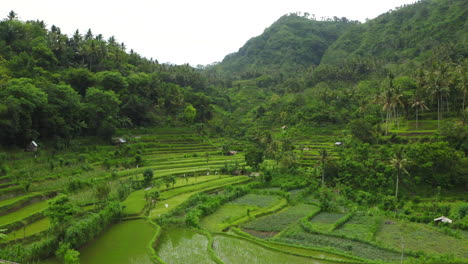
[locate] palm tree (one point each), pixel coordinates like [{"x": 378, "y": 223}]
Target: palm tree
[
  {"x": 323, "y": 159},
  {"x": 418, "y": 103},
  {"x": 398, "y": 162},
  {"x": 386, "y": 99},
  {"x": 462, "y": 85},
  {"x": 436, "y": 85}
]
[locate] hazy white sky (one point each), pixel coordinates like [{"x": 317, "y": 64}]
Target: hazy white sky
[{"x": 184, "y": 31}]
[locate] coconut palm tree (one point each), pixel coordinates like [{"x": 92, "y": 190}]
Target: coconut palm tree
[
  {"x": 437, "y": 87},
  {"x": 418, "y": 103},
  {"x": 398, "y": 162},
  {"x": 462, "y": 85}
]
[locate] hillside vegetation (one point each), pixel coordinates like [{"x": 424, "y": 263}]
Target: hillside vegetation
[{"x": 324, "y": 141}]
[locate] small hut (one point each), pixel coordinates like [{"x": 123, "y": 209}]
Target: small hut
[
  {"x": 231, "y": 153},
  {"x": 32, "y": 147},
  {"x": 443, "y": 219},
  {"x": 119, "y": 141},
  {"x": 254, "y": 174}
]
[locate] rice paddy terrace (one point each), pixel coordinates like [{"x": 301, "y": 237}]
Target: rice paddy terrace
[{"x": 254, "y": 226}]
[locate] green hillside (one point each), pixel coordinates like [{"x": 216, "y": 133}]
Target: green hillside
[
  {"x": 407, "y": 32},
  {"x": 292, "y": 43}
]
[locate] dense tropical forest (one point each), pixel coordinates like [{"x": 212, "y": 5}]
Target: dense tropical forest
[{"x": 319, "y": 141}]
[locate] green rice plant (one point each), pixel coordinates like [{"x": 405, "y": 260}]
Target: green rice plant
[
  {"x": 419, "y": 237},
  {"x": 135, "y": 203},
  {"x": 282, "y": 219},
  {"x": 301, "y": 250},
  {"x": 183, "y": 245},
  {"x": 225, "y": 215},
  {"x": 325, "y": 221},
  {"x": 18, "y": 201},
  {"x": 342, "y": 221},
  {"x": 359, "y": 225},
  {"x": 256, "y": 200},
  {"x": 297, "y": 236}
]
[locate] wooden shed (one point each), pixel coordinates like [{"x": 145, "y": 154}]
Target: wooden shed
[{"x": 32, "y": 147}]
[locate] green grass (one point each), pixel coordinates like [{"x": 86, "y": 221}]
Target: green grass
[
  {"x": 419, "y": 237},
  {"x": 23, "y": 213},
  {"x": 31, "y": 229},
  {"x": 282, "y": 219}
]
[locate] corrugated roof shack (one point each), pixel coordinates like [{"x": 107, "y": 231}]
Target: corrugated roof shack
[
  {"x": 32, "y": 147},
  {"x": 119, "y": 141}
]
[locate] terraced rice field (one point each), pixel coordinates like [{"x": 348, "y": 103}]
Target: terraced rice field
[
  {"x": 324, "y": 221},
  {"x": 358, "y": 226},
  {"x": 176, "y": 197},
  {"x": 296, "y": 235},
  {"x": 242, "y": 207},
  {"x": 23, "y": 213},
  {"x": 34, "y": 228},
  {"x": 234, "y": 250},
  {"x": 183, "y": 245},
  {"x": 416, "y": 236},
  {"x": 282, "y": 219}
]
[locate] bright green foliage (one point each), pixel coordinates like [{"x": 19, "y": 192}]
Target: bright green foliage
[
  {"x": 190, "y": 113},
  {"x": 60, "y": 210}
]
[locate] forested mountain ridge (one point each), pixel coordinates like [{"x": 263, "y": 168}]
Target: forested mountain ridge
[
  {"x": 405, "y": 33},
  {"x": 292, "y": 42},
  {"x": 295, "y": 43}
]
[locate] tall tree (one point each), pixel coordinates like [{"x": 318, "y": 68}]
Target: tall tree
[
  {"x": 399, "y": 162},
  {"x": 323, "y": 160}
]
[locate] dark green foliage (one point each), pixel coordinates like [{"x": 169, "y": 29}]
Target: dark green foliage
[
  {"x": 85, "y": 85},
  {"x": 147, "y": 177},
  {"x": 254, "y": 158}
]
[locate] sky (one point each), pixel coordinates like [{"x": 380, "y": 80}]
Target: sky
[{"x": 184, "y": 31}]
